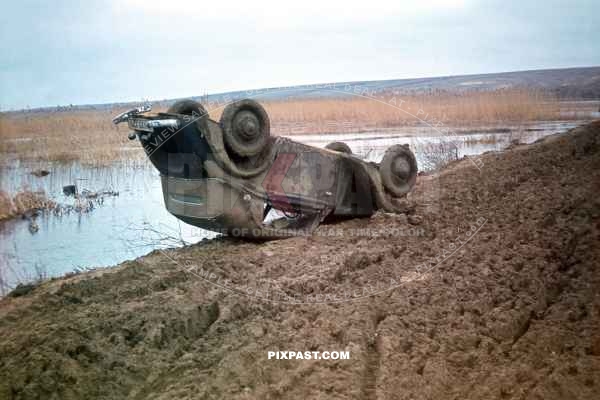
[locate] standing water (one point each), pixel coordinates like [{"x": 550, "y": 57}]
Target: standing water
[{"x": 136, "y": 222}]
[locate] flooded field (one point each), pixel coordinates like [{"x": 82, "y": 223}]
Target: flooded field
[{"x": 135, "y": 222}]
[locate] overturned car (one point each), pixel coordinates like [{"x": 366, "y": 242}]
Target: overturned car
[{"x": 233, "y": 177}]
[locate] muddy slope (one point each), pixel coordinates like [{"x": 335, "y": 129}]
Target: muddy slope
[{"x": 513, "y": 312}]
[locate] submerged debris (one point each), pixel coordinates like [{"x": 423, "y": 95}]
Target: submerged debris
[
  {"x": 70, "y": 190},
  {"x": 88, "y": 194},
  {"x": 85, "y": 201},
  {"x": 29, "y": 204},
  {"x": 33, "y": 226},
  {"x": 40, "y": 173}
]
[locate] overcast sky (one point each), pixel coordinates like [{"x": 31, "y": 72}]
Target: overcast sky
[{"x": 97, "y": 51}]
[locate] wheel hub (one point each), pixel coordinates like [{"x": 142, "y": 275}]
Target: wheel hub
[
  {"x": 401, "y": 168},
  {"x": 247, "y": 125}
]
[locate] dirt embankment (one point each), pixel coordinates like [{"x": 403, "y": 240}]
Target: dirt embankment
[{"x": 513, "y": 312}]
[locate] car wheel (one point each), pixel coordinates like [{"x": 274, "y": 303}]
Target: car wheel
[
  {"x": 398, "y": 170},
  {"x": 194, "y": 109},
  {"x": 187, "y": 107},
  {"x": 246, "y": 127},
  {"x": 339, "y": 146}
]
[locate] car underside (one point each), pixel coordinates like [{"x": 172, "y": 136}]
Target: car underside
[{"x": 233, "y": 177}]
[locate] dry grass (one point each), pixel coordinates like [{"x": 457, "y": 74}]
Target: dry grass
[
  {"x": 6, "y": 206},
  {"x": 23, "y": 202},
  {"x": 357, "y": 114},
  {"x": 84, "y": 135},
  {"x": 89, "y": 136}
]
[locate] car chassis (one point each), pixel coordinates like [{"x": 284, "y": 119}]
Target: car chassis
[{"x": 227, "y": 176}]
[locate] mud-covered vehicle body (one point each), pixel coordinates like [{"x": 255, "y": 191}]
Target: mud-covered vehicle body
[{"x": 228, "y": 176}]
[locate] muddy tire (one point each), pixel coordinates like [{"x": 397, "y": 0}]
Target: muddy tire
[
  {"x": 398, "y": 170},
  {"x": 340, "y": 147},
  {"x": 187, "y": 107},
  {"x": 246, "y": 127},
  {"x": 194, "y": 109}
]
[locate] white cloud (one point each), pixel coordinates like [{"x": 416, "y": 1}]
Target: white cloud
[
  {"x": 278, "y": 14},
  {"x": 112, "y": 50}
]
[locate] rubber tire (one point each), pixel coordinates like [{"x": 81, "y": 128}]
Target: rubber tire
[
  {"x": 339, "y": 147},
  {"x": 234, "y": 139},
  {"x": 393, "y": 183},
  {"x": 187, "y": 107}
]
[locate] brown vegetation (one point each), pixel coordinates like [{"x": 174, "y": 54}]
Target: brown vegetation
[
  {"x": 90, "y": 137},
  {"x": 23, "y": 202},
  {"x": 363, "y": 113},
  {"x": 6, "y": 206},
  {"x": 85, "y": 135}
]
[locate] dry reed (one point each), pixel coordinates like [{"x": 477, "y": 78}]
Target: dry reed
[
  {"x": 358, "y": 114},
  {"x": 23, "y": 202},
  {"x": 89, "y": 136}
]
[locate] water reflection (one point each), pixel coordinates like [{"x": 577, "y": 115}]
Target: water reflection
[{"x": 136, "y": 222}]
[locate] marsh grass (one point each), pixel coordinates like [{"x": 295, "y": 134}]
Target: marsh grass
[
  {"x": 6, "y": 206},
  {"x": 435, "y": 154},
  {"x": 23, "y": 202},
  {"x": 359, "y": 114},
  {"x": 483, "y": 139},
  {"x": 89, "y": 136}
]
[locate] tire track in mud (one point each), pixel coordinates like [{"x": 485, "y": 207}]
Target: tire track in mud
[
  {"x": 372, "y": 358},
  {"x": 515, "y": 316}
]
